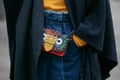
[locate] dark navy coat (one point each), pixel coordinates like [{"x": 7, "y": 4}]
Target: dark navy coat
[{"x": 91, "y": 20}]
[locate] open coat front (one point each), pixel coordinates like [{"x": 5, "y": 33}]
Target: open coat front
[{"x": 91, "y": 20}]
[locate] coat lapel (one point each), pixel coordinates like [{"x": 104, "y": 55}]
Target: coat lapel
[
  {"x": 69, "y": 8},
  {"x": 37, "y": 28},
  {"x": 21, "y": 50}
]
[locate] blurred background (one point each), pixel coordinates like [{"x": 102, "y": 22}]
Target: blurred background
[{"x": 4, "y": 52}]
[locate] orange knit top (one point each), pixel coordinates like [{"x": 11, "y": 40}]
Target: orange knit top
[{"x": 57, "y": 5}]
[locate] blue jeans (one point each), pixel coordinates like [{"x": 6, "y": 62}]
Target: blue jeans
[{"x": 52, "y": 67}]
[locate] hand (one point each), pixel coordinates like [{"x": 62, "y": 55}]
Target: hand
[{"x": 78, "y": 41}]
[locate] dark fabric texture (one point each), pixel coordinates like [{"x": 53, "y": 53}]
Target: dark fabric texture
[{"x": 92, "y": 22}]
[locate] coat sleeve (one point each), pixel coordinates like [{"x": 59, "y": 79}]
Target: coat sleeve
[
  {"x": 12, "y": 8},
  {"x": 108, "y": 59},
  {"x": 97, "y": 30},
  {"x": 92, "y": 28}
]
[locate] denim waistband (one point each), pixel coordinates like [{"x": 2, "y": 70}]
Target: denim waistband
[{"x": 56, "y": 16}]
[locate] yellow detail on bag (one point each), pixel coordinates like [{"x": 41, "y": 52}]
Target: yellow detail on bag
[
  {"x": 49, "y": 42},
  {"x": 48, "y": 46},
  {"x": 50, "y": 39}
]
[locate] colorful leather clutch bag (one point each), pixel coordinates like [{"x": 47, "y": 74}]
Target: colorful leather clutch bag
[{"x": 55, "y": 42}]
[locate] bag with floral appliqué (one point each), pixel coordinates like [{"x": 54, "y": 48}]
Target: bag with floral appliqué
[{"x": 55, "y": 42}]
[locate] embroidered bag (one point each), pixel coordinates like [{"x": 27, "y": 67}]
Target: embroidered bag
[{"x": 55, "y": 42}]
